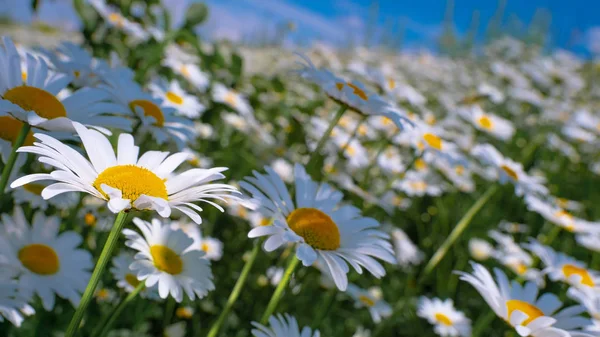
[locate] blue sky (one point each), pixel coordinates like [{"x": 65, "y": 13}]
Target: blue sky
[{"x": 575, "y": 23}]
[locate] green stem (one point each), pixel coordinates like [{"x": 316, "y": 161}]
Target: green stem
[
  {"x": 483, "y": 322},
  {"x": 169, "y": 310},
  {"x": 109, "y": 247},
  {"x": 13, "y": 158},
  {"x": 235, "y": 293},
  {"x": 317, "y": 151},
  {"x": 325, "y": 308},
  {"x": 279, "y": 290},
  {"x": 552, "y": 235},
  {"x": 107, "y": 325},
  {"x": 458, "y": 230}
]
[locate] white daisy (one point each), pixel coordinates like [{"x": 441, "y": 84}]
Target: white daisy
[
  {"x": 488, "y": 122},
  {"x": 13, "y": 305},
  {"x": 522, "y": 308},
  {"x": 323, "y": 229},
  {"x": 480, "y": 249},
  {"x": 167, "y": 257},
  {"x": 116, "y": 19},
  {"x": 123, "y": 179},
  {"x": 509, "y": 170},
  {"x": 407, "y": 253},
  {"x": 282, "y": 326},
  {"x": 75, "y": 61},
  {"x": 35, "y": 101},
  {"x": 156, "y": 118},
  {"x": 184, "y": 64},
  {"x": 561, "y": 267},
  {"x": 446, "y": 319},
  {"x": 47, "y": 263},
  {"x": 175, "y": 97},
  {"x": 559, "y": 216},
  {"x": 370, "y": 299}
]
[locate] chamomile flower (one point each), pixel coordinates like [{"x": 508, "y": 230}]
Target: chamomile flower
[
  {"x": 522, "y": 308},
  {"x": 124, "y": 180},
  {"x": 480, "y": 250},
  {"x": 447, "y": 321},
  {"x": 73, "y": 60},
  {"x": 417, "y": 184},
  {"x": 212, "y": 247},
  {"x": 155, "y": 116},
  {"x": 282, "y": 326},
  {"x": 13, "y": 305},
  {"x": 167, "y": 257},
  {"x": 488, "y": 122},
  {"x": 323, "y": 229},
  {"x": 509, "y": 170},
  {"x": 184, "y": 312},
  {"x": 47, "y": 263},
  {"x": 561, "y": 267},
  {"x": 407, "y": 253},
  {"x": 175, "y": 97},
  {"x": 125, "y": 277},
  {"x": 35, "y": 100},
  {"x": 185, "y": 65},
  {"x": 370, "y": 299},
  {"x": 353, "y": 94},
  {"x": 559, "y": 216},
  {"x": 116, "y": 19}
]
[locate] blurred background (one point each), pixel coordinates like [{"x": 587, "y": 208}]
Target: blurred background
[{"x": 452, "y": 26}]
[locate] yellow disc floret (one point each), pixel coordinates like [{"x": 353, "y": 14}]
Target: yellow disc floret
[
  {"x": 443, "y": 319},
  {"x": 174, "y": 98},
  {"x": 528, "y": 309},
  {"x": 10, "y": 128},
  {"x": 316, "y": 227},
  {"x": 570, "y": 270},
  {"x": 150, "y": 109},
  {"x": 40, "y": 259},
  {"x": 132, "y": 181},
  {"x": 165, "y": 259},
  {"x": 43, "y": 103}
]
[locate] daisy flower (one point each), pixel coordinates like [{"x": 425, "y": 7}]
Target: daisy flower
[
  {"x": 509, "y": 170},
  {"x": 212, "y": 247},
  {"x": 371, "y": 300},
  {"x": 77, "y": 62},
  {"x": 184, "y": 312},
  {"x": 323, "y": 229},
  {"x": 480, "y": 250},
  {"x": 47, "y": 263},
  {"x": 559, "y": 216},
  {"x": 35, "y": 100},
  {"x": 488, "y": 122},
  {"x": 116, "y": 19},
  {"x": 155, "y": 116},
  {"x": 282, "y": 326},
  {"x": 407, "y": 253},
  {"x": 522, "y": 308},
  {"x": 352, "y": 94},
  {"x": 167, "y": 257},
  {"x": 590, "y": 299},
  {"x": 561, "y": 267},
  {"x": 122, "y": 179},
  {"x": 175, "y": 97},
  {"x": 184, "y": 64},
  {"x": 13, "y": 305},
  {"x": 417, "y": 184},
  {"x": 446, "y": 319}
]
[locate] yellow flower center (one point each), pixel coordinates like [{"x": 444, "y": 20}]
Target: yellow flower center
[
  {"x": 391, "y": 83},
  {"x": 420, "y": 164},
  {"x": 116, "y": 19},
  {"x": 397, "y": 201},
  {"x": 530, "y": 310},
  {"x": 386, "y": 121},
  {"x": 586, "y": 279},
  {"x": 430, "y": 119},
  {"x": 265, "y": 222},
  {"x": 485, "y": 122},
  {"x": 242, "y": 212},
  {"x": 43, "y": 103},
  {"x": 562, "y": 202},
  {"x": 520, "y": 268},
  {"x": 351, "y": 151},
  {"x": 231, "y": 99},
  {"x": 366, "y": 300},
  {"x": 174, "y": 98},
  {"x": 418, "y": 185},
  {"x": 150, "y": 109},
  {"x": 132, "y": 181},
  {"x": 10, "y": 128},
  {"x": 355, "y": 90},
  {"x": 102, "y": 294},
  {"x": 34, "y": 188},
  {"x": 443, "y": 319},
  {"x": 510, "y": 172},
  {"x": 24, "y": 76},
  {"x": 184, "y": 313},
  {"x": 184, "y": 71},
  {"x": 205, "y": 247},
  {"x": 89, "y": 219},
  {"x": 39, "y": 259},
  {"x": 132, "y": 280},
  {"x": 363, "y": 129},
  {"x": 433, "y": 141},
  {"x": 77, "y": 73},
  {"x": 459, "y": 169},
  {"x": 316, "y": 227},
  {"x": 165, "y": 259}
]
